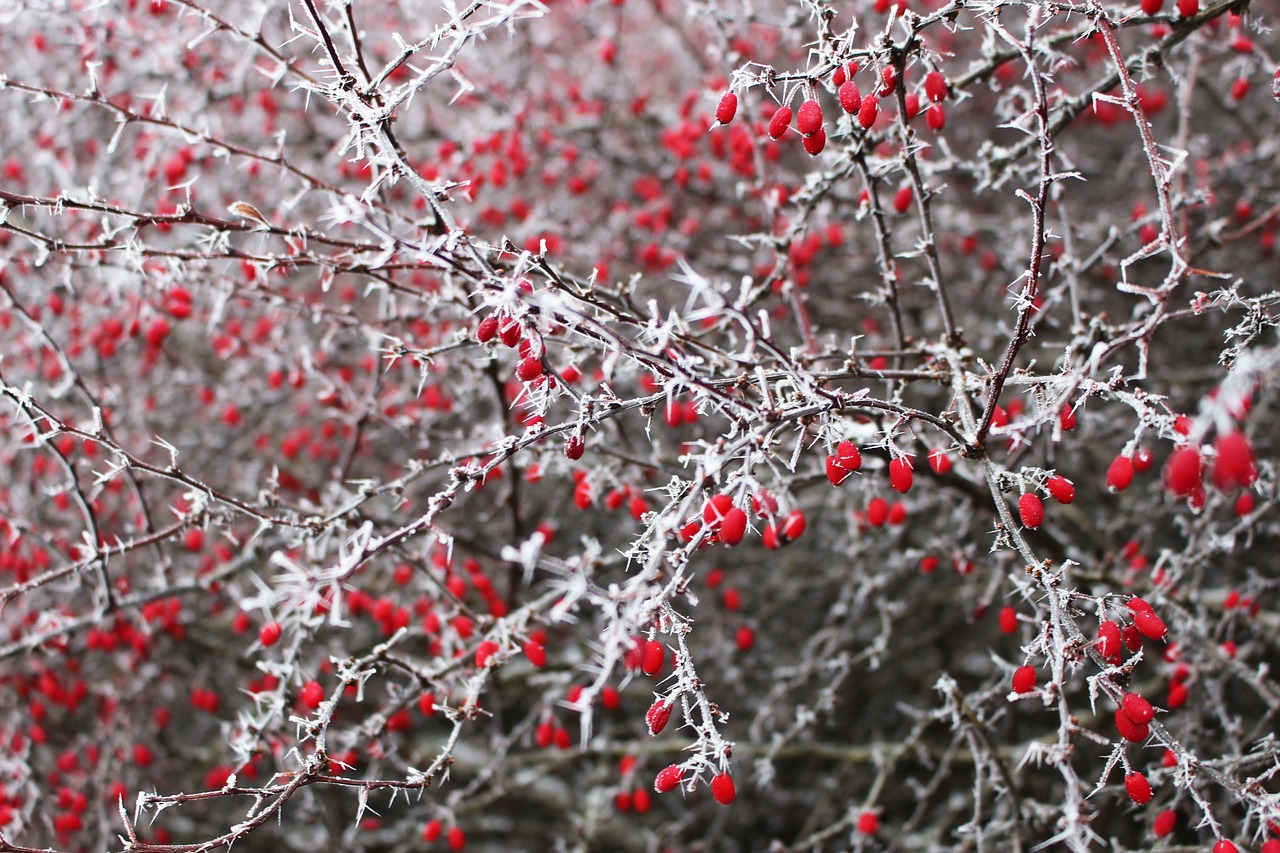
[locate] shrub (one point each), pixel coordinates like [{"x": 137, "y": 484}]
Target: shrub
[{"x": 457, "y": 424}]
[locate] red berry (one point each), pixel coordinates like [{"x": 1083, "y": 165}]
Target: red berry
[
  {"x": 1223, "y": 846},
  {"x": 574, "y": 445},
  {"x": 890, "y": 78},
  {"x": 1188, "y": 9},
  {"x": 868, "y": 823},
  {"x": 487, "y": 329},
  {"x": 935, "y": 86},
  {"x": 1183, "y": 471},
  {"x": 727, "y": 108},
  {"x": 1008, "y": 620},
  {"x": 835, "y": 474},
  {"x": 485, "y": 652},
  {"x": 1067, "y": 418},
  {"x": 722, "y": 789},
  {"x": 1233, "y": 464},
  {"x": 815, "y": 142},
  {"x": 509, "y": 331},
  {"x": 939, "y": 461},
  {"x": 457, "y": 839},
  {"x": 868, "y": 112},
  {"x": 1138, "y": 788},
  {"x": 536, "y": 653},
  {"x": 1024, "y": 679},
  {"x": 270, "y": 634},
  {"x": 1164, "y": 823},
  {"x": 432, "y": 830},
  {"x": 877, "y": 512},
  {"x": 1130, "y": 730},
  {"x": 668, "y": 778},
  {"x": 779, "y": 123},
  {"x": 1031, "y": 510},
  {"x": 809, "y": 119},
  {"x": 312, "y": 694},
  {"x": 715, "y": 510},
  {"x": 734, "y": 526},
  {"x": 900, "y": 473},
  {"x": 1152, "y": 7},
  {"x": 1109, "y": 639},
  {"x": 1061, "y": 489},
  {"x": 529, "y": 369},
  {"x": 1120, "y": 474},
  {"x": 1136, "y": 708},
  {"x": 936, "y": 118},
  {"x": 1146, "y": 621},
  {"x": 794, "y": 525},
  {"x": 850, "y": 97},
  {"x": 654, "y": 654},
  {"x": 902, "y": 199},
  {"x": 911, "y": 103}
]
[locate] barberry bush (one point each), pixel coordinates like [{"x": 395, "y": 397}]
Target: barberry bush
[{"x": 639, "y": 425}]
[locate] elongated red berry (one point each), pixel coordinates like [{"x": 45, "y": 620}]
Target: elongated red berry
[
  {"x": 780, "y": 122},
  {"x": 1164, "y": 823},
  {"x": 1129, "y": 730},
  {"x": 1120, "y": 473},
  {"x": 900, "y": 473},
  {"x": 935, "y": 86},
  {"x": 657, "y": 717},
  {"x": 536, "y": 653},
  {"x": 877, "y": 512},
  {"x": 270, "y": 634},
  {"x": 715, "y": 510},
  {"x": 574, "y": 445},
  {"x": 1008, "y": 620},
  {"x": 1061, "y": 489},
  {"x": 902, "y": 199},
  {"x": 654, "y": 654},
  {"x": 487, "y": 329},
  {"x": 842, "y": 463},
  {"x": 1138, "y": 709},
  {"x": 1233, "y": 465},
  {"x": 1152, "y": 7},
  {"x": 722, "y": 789},
  {"x": 509, "y": 331},
  {"x": 1031, "y": 510},
  {"x": 936, "y": 118},
  {"x": 727, "y": 108},
  {"x": 312, "y": 694},
  {"x": 868, "y": 111},
  {"x": 939, "y": 461},
  {"x": 668, "y": 778},
  {"x": 734, "y": 526},
  {"x": 793, "y": 526},
  {"x": 815, "y": 142},
  {"x": 1138, "y": 788},
  {"x": 1184, "y": 471},
  {"x": 1067, "y": 418},
  {"x": 1109, "y": 639},
  {"x": 850, "y": 97},
  {"x": 1024, "y": 679},
  {"x": 868, "y": 823},
  {"x": 809, "y": 119},
  {"x": 1150, "y": 625},
  {"x": 529, "y": 369},
  {"x": 1189, "y": 9}
]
